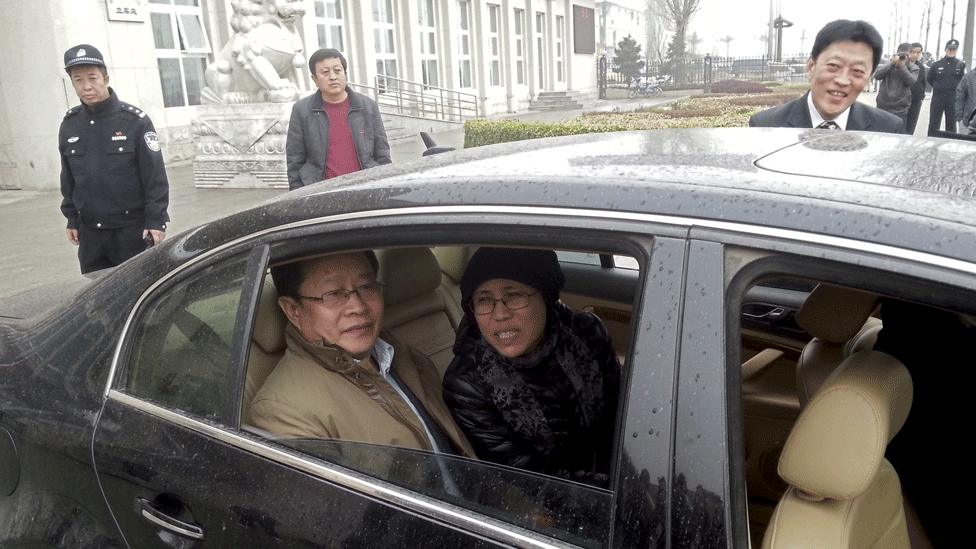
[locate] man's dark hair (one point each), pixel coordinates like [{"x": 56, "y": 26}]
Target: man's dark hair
[
  {"x": 904, "y": 47},
  {"x": 326, "y": 53},
  {"x": 855, "y": 31},
  {"x": 289, "y": 276},
  {"x": 916, "y": 45}
]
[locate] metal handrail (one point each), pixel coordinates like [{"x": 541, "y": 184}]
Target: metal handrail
[{"x": 417, "y": 100}]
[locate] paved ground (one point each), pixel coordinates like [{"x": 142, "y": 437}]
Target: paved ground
[{"x": 36, "y": 252}]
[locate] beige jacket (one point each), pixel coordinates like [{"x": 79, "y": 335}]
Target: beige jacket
[{"x": 322, "y": 392}]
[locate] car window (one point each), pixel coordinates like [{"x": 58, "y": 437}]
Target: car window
[
  {"x": 572, "y": 512},
  {"x": 572, "y": 505},
  {"x": 847, "y": 317},
  {"x": 181, "y": 349}
]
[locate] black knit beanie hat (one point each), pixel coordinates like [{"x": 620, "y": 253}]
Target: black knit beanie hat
[{"x": 538, "y": 269}]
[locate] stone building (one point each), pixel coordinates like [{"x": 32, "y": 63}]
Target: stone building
[{"x": 501, "y": 52}]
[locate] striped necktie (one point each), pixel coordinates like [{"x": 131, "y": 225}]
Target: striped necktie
[{"x": 828, "y": 125}]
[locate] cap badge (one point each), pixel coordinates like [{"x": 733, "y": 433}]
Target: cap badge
[{"x": 81, "y": 53}]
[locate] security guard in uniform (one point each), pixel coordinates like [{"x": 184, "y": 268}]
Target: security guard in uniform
[
  {"x": 944, "y": 75},
  {"x": 113, "y": 182}
]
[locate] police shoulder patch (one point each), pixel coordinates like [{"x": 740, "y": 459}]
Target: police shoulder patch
[
  {"x": 71, "y": 111},
  {"x": 152, "y": 141}
]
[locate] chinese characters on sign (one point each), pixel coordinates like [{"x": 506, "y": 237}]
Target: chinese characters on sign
[{"x": 126, "y": 10}]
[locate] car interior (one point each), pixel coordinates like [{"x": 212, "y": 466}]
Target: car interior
[{"x": 839, "y": 436}]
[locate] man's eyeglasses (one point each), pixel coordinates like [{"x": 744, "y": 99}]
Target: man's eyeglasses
[
  {"x": 513, "y": 301},
  {"x": 370, "y": 291}
]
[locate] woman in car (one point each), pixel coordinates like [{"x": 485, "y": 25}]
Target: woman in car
[{"x": 533, "y": 384}]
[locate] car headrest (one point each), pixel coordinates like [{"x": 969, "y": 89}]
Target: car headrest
[
  {"x": 408, "y": 273},
  {"x": 269, "y": 325},
  {"x": 835, "y": 314},
  {"x": 837, "y": 443},
  {"x": 453, "y": 260}
]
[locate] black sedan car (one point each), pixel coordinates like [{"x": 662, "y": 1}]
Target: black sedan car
[{"x": 792, "y": 309}]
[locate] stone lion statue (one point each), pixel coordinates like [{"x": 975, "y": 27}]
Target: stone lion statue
[{"x": 264, "y": 60}]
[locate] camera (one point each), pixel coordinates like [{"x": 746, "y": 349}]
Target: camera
[
  {"x": 149, "y": 240},
  {"x": 902, "y": 56}
]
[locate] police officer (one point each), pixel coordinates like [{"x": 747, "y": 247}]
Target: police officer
[
  {"x": 944, "y": 75},
  {"x": 113, "y": 182}
]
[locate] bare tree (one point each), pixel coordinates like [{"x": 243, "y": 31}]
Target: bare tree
[
  {"x": 967, "y": 49},
  {"x": 938, "y": 39},
  {"x": 928, "y": 24},
  {"x": 693, "y": 42},
  {"x": 952, "y": 32},
  {"x": 679, "y": 13},
  {"x": 728, "y": 40}
]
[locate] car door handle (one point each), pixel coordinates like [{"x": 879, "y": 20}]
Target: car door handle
[
  {"x": 166, "y": 522},
  {"x": 773, "y": 313}
]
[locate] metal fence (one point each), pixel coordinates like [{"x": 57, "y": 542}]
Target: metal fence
[{"x": 707, "y": 69}]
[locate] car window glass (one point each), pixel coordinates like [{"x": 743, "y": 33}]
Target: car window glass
[
  {"x": 569, "y": 511},
  {"x": 181, "y": 352},
  {"x": 571, "y": 500}
]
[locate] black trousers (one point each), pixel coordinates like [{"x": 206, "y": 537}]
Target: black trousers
[
  {"x": 942, "y": 104},
  {"x": 103, "y": 248},
  {"x": 913, "y": 111}
]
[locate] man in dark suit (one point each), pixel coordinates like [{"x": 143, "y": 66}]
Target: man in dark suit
[{"x": 845, "y": 54}]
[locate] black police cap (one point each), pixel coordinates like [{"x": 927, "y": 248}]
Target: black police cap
[
  {"x": 83, "y": 54},
  {"x": 952, "y": 44}
]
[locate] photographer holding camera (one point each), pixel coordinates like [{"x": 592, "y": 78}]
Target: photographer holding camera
[{"x": 897, "y": 78}]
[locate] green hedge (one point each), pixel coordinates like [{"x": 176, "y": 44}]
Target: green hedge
[{"x": 488, "y": 132}]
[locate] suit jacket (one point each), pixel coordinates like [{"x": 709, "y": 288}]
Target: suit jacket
[{"x": 796, "y": 115}]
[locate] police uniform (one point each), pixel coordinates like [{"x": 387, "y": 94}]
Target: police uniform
[
  {"x": 113, "y": 181},
  {"x": 944, "y": 75}
]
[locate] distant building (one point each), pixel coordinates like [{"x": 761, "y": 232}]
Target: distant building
[
  {"x": 617, "y": 19},
  {"x": 504, "y": 52}
]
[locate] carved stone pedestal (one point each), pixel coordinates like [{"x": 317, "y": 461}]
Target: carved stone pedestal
[{"x": 241, "y": 146}]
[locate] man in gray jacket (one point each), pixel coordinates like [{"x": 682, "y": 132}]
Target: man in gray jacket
[
  {"x": 897, "y": 78},
  {"x": 334, "y": 131}
]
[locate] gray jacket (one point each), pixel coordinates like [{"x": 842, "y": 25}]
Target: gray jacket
[
  {"x": 895, "y": 91},
  {"x": 966, "y": 99},
  {"x": 308, "y": 137}
]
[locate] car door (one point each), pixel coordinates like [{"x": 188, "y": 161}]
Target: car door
[{"x": 173, "y": 468}]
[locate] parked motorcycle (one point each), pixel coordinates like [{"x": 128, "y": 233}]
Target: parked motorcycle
[{"x": 646, "y": 86}]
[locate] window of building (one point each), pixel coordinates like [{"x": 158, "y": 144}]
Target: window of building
[
  {"x": 464, "y": 45},
  {"x": 329, "y": 24},
  {"x": 494, "y": 44},
  {"x": 540, "y": 47},
  {"x": 519, "y": 46},
  {"x": 559, "y": 48},
  {"x": 385, "y": 42},
  {"x": 181, "y": 50},
  {"x": 428, "y": 42}
]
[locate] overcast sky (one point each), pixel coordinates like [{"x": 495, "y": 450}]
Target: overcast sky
[{"x": 746, "y": 21}]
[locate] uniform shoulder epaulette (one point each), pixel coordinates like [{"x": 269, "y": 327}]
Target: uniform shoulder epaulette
[
  {"x": 72, "y": 111},
  {"x": 132, "y": 109}
]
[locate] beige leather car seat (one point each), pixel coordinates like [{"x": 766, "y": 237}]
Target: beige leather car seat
[
  {"x": 842, "y": 492},
  {"x": 453, "y": 260},
  {"x": 418, "y": 313},
  {"x": 839, "y": 319},
  {"x": 267, "y": 344}
]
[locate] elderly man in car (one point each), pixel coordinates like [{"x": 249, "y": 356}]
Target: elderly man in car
[{"x": 339, "y": 379}]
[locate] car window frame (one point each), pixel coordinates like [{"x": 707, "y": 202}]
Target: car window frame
[{"x": 519, "y": 226}]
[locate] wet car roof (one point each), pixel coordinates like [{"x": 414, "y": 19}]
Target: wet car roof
[{"x": 880, "y": 188}]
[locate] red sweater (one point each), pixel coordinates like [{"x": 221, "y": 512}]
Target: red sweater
[{"x": 341, "y": 157}]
